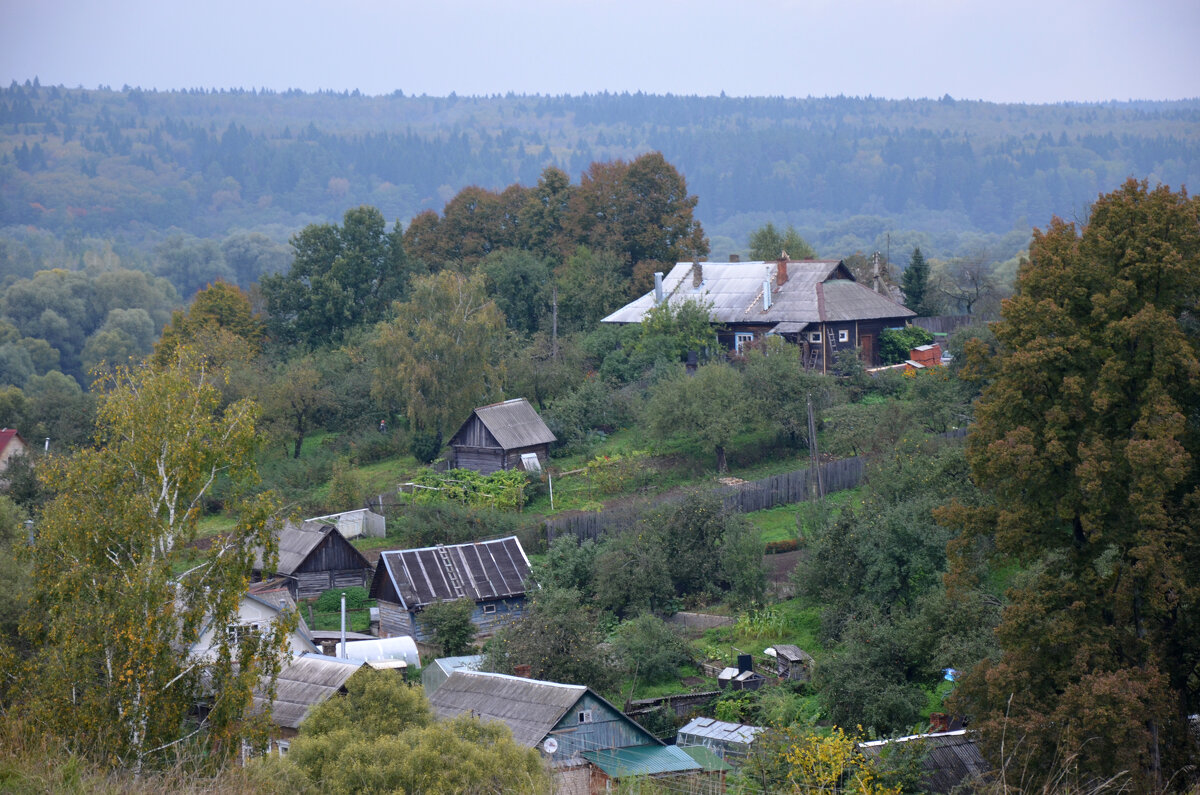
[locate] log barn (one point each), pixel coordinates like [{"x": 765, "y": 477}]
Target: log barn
[
  {"x": 497, "y": 437},
  {"x": 315, "y": 557}
]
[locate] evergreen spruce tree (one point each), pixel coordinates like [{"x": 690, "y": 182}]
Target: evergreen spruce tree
[{"x": 915, "y": 282}]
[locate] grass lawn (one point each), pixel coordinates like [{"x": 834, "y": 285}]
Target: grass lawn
[{"x": 213, "y": 524}]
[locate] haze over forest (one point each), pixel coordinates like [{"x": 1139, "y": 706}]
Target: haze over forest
[{"x": 958, "y": 178}]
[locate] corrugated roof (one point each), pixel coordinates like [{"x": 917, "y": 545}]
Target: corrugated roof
[
  {"x": 642, "y": 760},
  {"x": 720, "y": 730},
  {"x": 815, "y": 291},
  {"x": 529, "y": 707},
  {"x": 514, "y": 424},
  {"x": 705, "y": 757},
  {"x": 487, "y": 570},
  {"x": 304, "y": 682},
  {"x": 951, "y": 758}
]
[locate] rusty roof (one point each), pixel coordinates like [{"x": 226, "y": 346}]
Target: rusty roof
[{"x": 485, "y": 570}]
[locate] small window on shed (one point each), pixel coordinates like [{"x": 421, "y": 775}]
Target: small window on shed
[
  {"x": 489, "y": 609},
  {"x": 585, "y": 716},
  {"x": 843, "y": 335},
  {"x": 814, "y": 336}
]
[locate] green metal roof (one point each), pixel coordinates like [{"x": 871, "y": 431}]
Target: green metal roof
[
  {"x": 642, "y": 760},
  {"x": 706, "y": 758}
]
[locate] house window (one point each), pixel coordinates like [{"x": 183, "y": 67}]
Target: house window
[
  {"x": 843, "y": 335},
  {"x": 585, "y": 716},
  {"x": 240, "y": 632},
  {"x": 814, "y": 336},
  {"x": 282, "y": 746},
  {"x": 489, "y": 609},
  {"x": 741, "y": 339}
]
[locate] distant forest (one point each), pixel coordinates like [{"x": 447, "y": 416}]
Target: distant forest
[{"x": 146, "y": 169}]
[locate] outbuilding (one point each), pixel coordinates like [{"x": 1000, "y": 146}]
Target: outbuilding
[
  {"x": 508, "y": 435},
  {"x": 315, "y": 557},
  {"x": 491, "y": 574}
]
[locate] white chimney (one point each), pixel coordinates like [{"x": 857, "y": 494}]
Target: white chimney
[
  {"x": 767, "y": 290},
  {"x": 658, "y": 291}
]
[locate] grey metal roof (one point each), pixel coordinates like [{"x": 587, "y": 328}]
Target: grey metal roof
[
  {"x": 515, "y": 424},
  {"x": 305, "y": 682},
  {"x": 529, "y": 707},
  {"x": 718, "y": 730},
  {"x": 487, "y": 570},
  {"x": 815, "y": 291},
  {"x": 952, "y": 758}
]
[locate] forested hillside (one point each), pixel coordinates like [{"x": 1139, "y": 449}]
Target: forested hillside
[{"x": 954, "y": 177}]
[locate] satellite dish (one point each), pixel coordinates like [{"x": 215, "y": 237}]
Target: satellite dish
[{"x": 550, "y": 746}]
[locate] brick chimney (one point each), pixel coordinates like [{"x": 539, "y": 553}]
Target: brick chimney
[
  {"x": 524, "y": 670},
  {"x": 735, "y": 258},
  {"x": 781, "y": 274}
]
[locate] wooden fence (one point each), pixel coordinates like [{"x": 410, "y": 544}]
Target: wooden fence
[
  {"x": 945, "y": 324},
  {"x": 747, "y": 497}
]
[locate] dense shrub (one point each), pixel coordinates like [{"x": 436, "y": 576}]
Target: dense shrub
[{"x": 331, "y": 601}]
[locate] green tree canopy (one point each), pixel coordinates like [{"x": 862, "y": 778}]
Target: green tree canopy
[
  {"x": 121, "y": 595},
  {"x": 767, "y": 244},
  {"x": 1086, "y": 437},
  {"x": 451, "y": 626},
  {"x": 708, "y": 408},
  {"x": 440, "y": 357},
  {"x": 342, "y": 277},
  {"x": 915, "y": 283}
]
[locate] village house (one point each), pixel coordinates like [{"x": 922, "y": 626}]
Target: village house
[
  {"x": 591, "y": 746},
  {"x": 256, "y": 612},
  {"x": 11, "y": 445},
  {"x": 303, "y": 683},
  {"x": 816, "y": 304},
  {"x": 491, "y": 574},
  {"x": 502, "y": 436},
  {"x": 314, "y": 557}
]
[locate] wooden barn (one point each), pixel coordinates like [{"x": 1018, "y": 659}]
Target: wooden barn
[
  {"x": 315, "y": 557},
  {"x": 502, "y": 436},
  {"x": 492, "y": 574}
]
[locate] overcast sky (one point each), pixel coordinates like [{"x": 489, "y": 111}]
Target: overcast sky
[{"x": 1000, "y": 50}]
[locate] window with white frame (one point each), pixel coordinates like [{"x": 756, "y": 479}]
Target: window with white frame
[
  {"x": 585, "y": 716},
  {"x": 489, "y": 609},
  {"x": 843, "y": 335},
  {"x": 814, "y": 336},
  {"x": 282, "y": 747},
  {"x": 742, "y": 339}
]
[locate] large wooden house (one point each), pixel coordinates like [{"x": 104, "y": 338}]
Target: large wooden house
[
  {"x": 816, "y": 304},
  {"x": 508, "y": 435},
  {"x": 315, "y": 557},
  {"x": 491, "y": 574}
]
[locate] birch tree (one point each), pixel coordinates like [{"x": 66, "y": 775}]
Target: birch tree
[{"x": 122, "y": 595}]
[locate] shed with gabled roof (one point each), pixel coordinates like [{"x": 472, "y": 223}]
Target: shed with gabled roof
[
  {"x": 492, "y": 574},
  {"x": 496, "y": 437},
  {"x": 315, "y": 557},
  {"x": 951, "y": 759}
]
